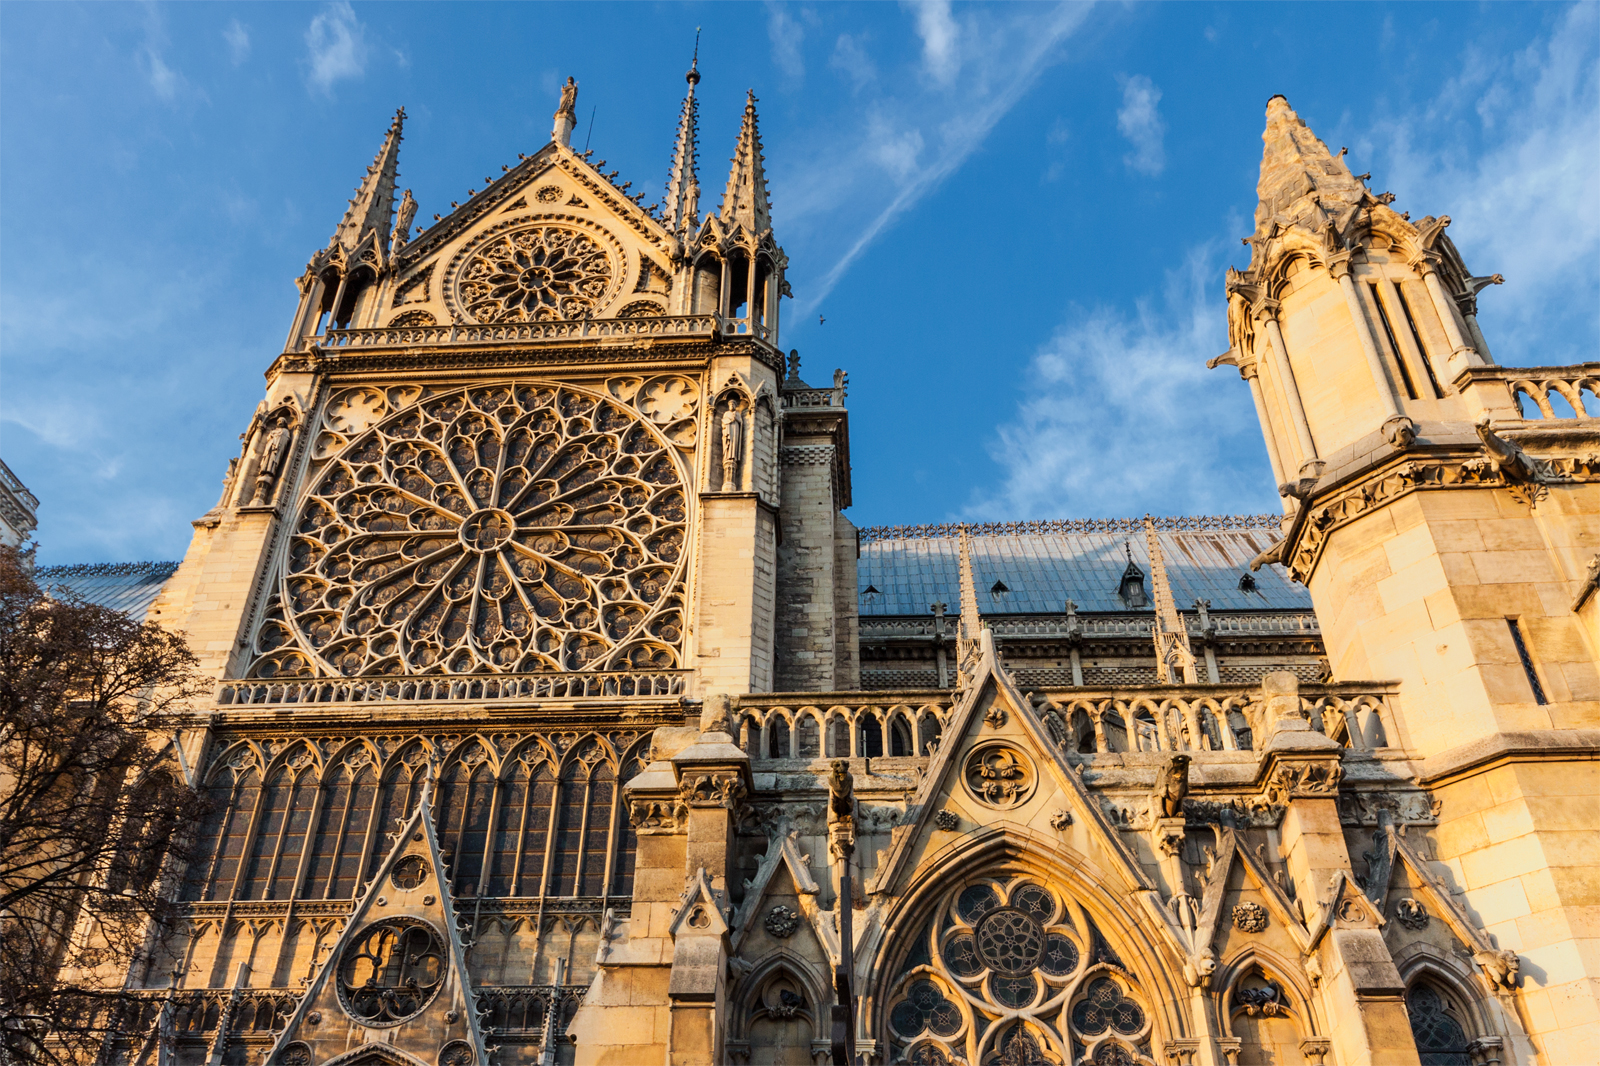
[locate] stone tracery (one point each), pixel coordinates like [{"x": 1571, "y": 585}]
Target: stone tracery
[
  {"x": 535, "y": 275},
  {"x": 1002, "y": 948},
  {"x": 491, "y": 529}
]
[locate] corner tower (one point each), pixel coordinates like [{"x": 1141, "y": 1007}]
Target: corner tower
[{"x": 1448, "y": 540}]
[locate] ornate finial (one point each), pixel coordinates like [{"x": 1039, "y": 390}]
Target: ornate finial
[
  {"x": 794, "y": 364},
  {"x": 693, "y": 77}
]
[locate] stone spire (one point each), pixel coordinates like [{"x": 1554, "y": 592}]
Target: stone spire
[
  {"x": 1174, "y": 657},
  {"x": 1302, "y": 183},
  {"x": 745, "y": 201},
  {"x": 680, "y": 211},
  {"x": 372, "y": 207}
]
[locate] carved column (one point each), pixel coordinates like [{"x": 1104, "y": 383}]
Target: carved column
[
  {"x": 1252, "y": 376},
  {"x": 1462, "y": 354},
  {"x": 1266, "y": 312}
]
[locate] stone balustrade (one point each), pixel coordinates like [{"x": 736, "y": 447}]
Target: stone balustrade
[
  {"x": 840, "y": 725},
  {"x": 1080, "y": 721},
  {"x": 1498, "y": 386},
  {"x": 705, "y": 326},
  {"x": 455, "y": 688}
]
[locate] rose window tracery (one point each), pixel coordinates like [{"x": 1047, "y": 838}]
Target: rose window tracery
[
  {"x": 1007, "y": 947},
  {"x": 535, "y": 274},
  {"x": 508, "y": 528},
  {"x": 391, "y": 971}
]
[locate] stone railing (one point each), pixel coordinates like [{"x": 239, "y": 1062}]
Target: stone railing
[
  {"x": 1207, "y": 718},
  {"x": 533, "y": 332},
  {"x": 519, "y": 1011},
  {"x": 1541, "y": 385},
  {"x": 813, "y": 397},
  {"x": 818, "y": 725},
  {"x": 455, "y": 688}
]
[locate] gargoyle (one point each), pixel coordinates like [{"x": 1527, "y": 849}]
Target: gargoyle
[
  {"x": 1514, "y": 463},
  {"x": 841, "y": 791},
  {"x": 1172, "y": 785},
  {"x": 1502, "y": 966}
]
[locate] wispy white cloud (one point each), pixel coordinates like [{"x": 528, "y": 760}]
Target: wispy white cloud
[
  {"x": 1139, "y": 120},
  {"x": 851, "y": 59},
  {"x": 918, "y": 138},
  {"x": 238, "y": 37},
  {"x": 1121, "y": 414},
  {"x": 165, "y": 81},
  {"x": 1526, "y": 199},
  {"x": 941, "y": 40},
  {"x": 786, "y": 35},
  {"x": 336, "y": 46}
]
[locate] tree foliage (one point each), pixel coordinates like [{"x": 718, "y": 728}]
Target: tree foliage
[{"x": 93, "y": 812}]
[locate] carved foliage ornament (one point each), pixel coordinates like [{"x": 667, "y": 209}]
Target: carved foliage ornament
[
  {"x": 782, "y": 922},
  {"x": 509, "y": 528},
  {"x": 535, "y": 274},
  {"x": 1249, "y": 917}
]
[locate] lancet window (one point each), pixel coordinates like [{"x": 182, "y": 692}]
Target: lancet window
[
  {"x": 538, "y": 821},
  {"x": 1008, "y": 969}
]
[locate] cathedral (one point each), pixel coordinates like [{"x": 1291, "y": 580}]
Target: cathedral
[{"x": 560, "y": 715}]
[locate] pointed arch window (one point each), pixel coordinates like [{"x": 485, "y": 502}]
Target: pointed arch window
[
  {"x": 1438, "y": 1026},
  {"x": 519, "y": 831}
]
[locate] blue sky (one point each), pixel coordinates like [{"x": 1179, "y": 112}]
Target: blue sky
[{"x": 1015, "y": 219}]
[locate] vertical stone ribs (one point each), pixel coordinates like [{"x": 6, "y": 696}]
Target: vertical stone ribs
[{"x": 1174, "y": 657}]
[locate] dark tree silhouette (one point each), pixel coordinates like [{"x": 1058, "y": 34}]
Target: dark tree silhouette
[{"x": 93, "y": 814}]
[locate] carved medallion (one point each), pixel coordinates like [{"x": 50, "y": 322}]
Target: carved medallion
[
  {"x": 457, "y": 1053},
  {"x": 946, "y": 820},
  {"x": 509, "y": 528},
  {"x": 1249, "y": 917},
  {"x": 782, "y": 922},
  {"x": 1411, "y": 914},
  {"x": 1000, "y": 776},
  {"x": 295, "y": 1054},
  {"x": 391, "y": 971},
  {"x": 534, "y": 273}
]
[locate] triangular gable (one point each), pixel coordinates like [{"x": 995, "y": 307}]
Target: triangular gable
[
  {"x": 1229, "y": 855},
  {"x": 992, "y": 688},
  {"x": 782, "y": 851},
  {"x": 1346, "y": 903},
  {"x": 522, "y": 182},
  {"x": 407, "y": 902},
  {"x": 1388, "y": 846}
]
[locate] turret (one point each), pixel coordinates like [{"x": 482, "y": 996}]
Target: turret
[
  {"x": 338, "y": 286},
  {"x": 737, "y": 267},
  {"x": 1351, "y": 318}
]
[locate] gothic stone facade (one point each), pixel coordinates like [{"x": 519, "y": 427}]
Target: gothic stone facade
[{"x": 537, "y": 627}]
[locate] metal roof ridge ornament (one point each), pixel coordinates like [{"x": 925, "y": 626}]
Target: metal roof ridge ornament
[{"x": 1057, "y": 526}]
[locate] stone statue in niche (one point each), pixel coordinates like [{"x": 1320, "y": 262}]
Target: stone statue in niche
[
  {"x": 274, "y": 449},
  {"x": 732, "y": 445}
]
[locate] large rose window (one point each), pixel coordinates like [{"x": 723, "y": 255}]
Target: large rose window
[
  {"x": 495, "y": 529},
  {"x": 535, "y": 275},
  {"x": 1004, "y": 973}
]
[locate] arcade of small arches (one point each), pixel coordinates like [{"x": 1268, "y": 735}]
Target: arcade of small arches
[
  {"x": 544, "y": 819},
  {"x": 841, "y": 732}
]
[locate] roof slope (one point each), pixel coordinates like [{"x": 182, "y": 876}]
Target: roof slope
[
  {"x": 1081, "y": 561},
  {"x": 127, "y": 587}
]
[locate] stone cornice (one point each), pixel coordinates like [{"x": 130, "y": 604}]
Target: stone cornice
[
  {"x": 653, "y": 354},
  {"x": 1534, "y": 745}
]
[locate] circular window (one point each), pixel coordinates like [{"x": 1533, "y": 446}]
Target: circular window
[
  {"x": 1010, "y": 942},
  {"x": 409, "y": 872},
  {"x": 538, "y": 273},
  {"x": 497, "y": 529},
  {"x": 391, "y": 971}
]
